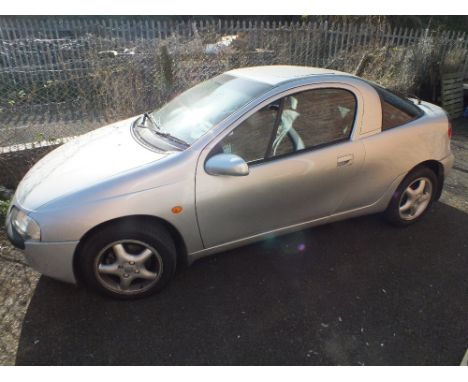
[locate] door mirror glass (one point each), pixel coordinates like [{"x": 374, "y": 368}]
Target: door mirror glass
[{"x": 226, "y": 164}]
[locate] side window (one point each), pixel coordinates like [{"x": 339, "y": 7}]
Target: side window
[
  {"x": 396, "y": 111},
  {"x": 393, "y": 116},
  {"x": 314, "y": 118},
  {"x": 283, "y": 145},
  {"x": 251, "y": 138}
]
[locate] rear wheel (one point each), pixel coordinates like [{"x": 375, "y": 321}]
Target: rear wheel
[
  {"x": 413, "y": 197},
  {"x": 128, "y": 260}
]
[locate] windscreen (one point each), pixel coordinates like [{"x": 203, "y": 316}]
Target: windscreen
[{"x": 196, "y": 111}]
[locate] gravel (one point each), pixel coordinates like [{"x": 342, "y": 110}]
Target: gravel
[{"x": 17, "y": 284}]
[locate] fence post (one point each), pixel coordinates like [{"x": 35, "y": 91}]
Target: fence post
[
  {"x": 20, "y": 36},
  {"x": 331, "y": 39},
  {"x": 11, "y": 60},
  {"x": 307, "y": 38}
]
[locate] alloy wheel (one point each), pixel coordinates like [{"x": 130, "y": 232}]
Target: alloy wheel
[
  {"x": 128, "y": 266},
  {"x": 415, "y": 199}
]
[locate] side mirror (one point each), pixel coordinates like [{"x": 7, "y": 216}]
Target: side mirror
[{"x": 226, "y": 164}]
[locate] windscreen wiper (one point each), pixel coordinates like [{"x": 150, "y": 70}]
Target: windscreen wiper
[
  {"x": 158, "y": 131},
  {"x": 172, "y": 138},
  {"x": 148, "y": 116}
]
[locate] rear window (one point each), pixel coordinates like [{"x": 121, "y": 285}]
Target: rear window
[{"x": 396, "y": 111}]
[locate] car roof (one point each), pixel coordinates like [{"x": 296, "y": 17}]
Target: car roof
[{"x": 276, "y": 74}]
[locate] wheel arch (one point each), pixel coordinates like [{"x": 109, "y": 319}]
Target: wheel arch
[
  {"x": 179, "y": 242},
  {"x": 438, "y": 170}
]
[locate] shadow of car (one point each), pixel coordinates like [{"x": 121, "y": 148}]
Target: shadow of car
[{"x": 354, "y": 292}]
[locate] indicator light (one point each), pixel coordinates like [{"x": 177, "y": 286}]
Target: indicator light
[{"x": 176, "y": 210}]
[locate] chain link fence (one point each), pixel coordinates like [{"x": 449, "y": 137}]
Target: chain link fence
[{"x": 63, "y": 76}]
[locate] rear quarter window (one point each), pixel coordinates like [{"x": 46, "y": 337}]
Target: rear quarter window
[{"x": 396, "y": 111}]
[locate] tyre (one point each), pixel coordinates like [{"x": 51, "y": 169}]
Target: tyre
[
  {"x": 128, "y": 260},
  {"x": 413, "y": 198}
]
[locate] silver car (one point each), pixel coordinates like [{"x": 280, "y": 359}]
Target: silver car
[{"x": 248, "y": 154}]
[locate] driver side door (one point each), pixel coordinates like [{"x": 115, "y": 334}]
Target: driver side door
[{"x": 301, "y": 159}]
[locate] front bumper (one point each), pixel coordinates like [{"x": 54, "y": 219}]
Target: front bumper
[
  {"x": 53, "y": 259},
  {"x": 14, "y": 237}
]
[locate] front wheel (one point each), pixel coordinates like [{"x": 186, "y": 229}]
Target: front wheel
[
  {"x": 412, "y": 199},
  {"x": 128, "y": 260}
]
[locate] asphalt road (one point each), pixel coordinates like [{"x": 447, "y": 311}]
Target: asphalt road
[{"x": 355, "y": 292}]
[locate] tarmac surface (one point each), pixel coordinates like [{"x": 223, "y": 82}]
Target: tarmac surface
[{"x": 360, "y": 293}]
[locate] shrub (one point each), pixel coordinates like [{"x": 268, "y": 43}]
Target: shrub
[{"x": 4, "y": 204}]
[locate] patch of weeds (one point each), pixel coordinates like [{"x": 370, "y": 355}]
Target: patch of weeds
[{"x": 4, "y": 204}]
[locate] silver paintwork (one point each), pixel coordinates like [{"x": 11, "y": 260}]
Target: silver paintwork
[
  {"x": 53, "y": 259},
  {"x": 106, "y": 174},
  {"x": 226, "y": 164}
]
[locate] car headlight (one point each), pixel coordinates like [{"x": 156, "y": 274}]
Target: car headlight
[{"x": 25, "y": 225}]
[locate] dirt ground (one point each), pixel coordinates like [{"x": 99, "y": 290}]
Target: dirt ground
[
  {"x": 456, "y": 187},
  {"x": 18, "y": 285}
]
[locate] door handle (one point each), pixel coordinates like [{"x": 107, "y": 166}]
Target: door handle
[{"x": 345, "y": 160}]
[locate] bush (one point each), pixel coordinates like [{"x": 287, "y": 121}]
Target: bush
[
  {"x": 4, "y": 204},
  {"x": 409, "y": 70}
]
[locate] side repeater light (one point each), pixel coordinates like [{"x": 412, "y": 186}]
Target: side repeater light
[{"x": 177, "y": 210}]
